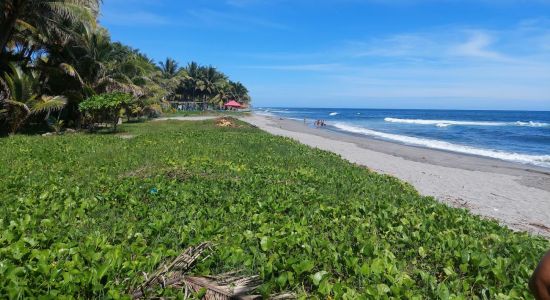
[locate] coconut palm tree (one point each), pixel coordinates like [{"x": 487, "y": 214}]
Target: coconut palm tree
[
  {"x": 239, "y": 92},
  {"x": 191, "y": 83},
  {"x": 101, "y": 66},
  {"x": 169, "y": 68},
  {"x": 42, "y": 16},
  {"x": 24, "y": 101},
  {"x": 211, "y": 82}
]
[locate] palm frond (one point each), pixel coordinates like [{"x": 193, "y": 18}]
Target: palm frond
[
  {"x": 18, "y": 104},
  {"x": 109, "y": 85},
  {"x": 49, "y": 104},
  {"x": 225, "y": 286},
  {"x": 72, "y": 11},
  {"x": 68, "y": 69},
  {"x": 27, "y": 26}
]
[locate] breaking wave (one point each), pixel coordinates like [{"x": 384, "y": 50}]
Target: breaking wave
[
  {"x": 445, "y": 123},
  {"x": 540, "y": 160}
]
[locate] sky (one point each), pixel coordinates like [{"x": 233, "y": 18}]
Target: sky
[{"x": 438, "y": 54}]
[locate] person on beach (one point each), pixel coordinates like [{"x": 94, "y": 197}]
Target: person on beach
[{"x": 540, "y": 281}]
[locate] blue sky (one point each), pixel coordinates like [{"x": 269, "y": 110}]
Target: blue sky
[{"x": 444, "y": 54}]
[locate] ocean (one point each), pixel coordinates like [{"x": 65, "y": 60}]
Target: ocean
[{"x": 517, "y": 136}]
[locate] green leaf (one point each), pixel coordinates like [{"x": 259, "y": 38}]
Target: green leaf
[
  {"x": 382, "y": 289},
  {"x": 303, "y": 266},
  {"x": 449, "y": 271},
  {"x": 266, "y": 243},
  {"x": 443, "y": 292},
  {"x": 282, "y": 280},
  {"x": 317, "y": 277},
  {"x": 365, "y": 269},
  {"x": 422, "y": 252}
]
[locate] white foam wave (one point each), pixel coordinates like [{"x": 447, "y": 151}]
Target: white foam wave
[
  {"x": 282, "y": 111},
  {"x": 532, "y": 124},
  {"x": 333, "y": 114},
  {"x": 540, "y": 160},
  {"x": 445, "y": 123}
]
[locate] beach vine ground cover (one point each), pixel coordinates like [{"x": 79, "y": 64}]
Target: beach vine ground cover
[{"x": 82, "y": 216}]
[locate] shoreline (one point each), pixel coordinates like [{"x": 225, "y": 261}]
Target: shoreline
[{"x": 514, "y": 194}]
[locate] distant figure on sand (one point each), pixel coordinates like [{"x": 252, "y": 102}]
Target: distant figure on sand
[{"x": 540, "y": 281}]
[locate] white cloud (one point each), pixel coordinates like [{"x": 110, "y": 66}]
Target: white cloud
[{"x": 478, "y": 46}]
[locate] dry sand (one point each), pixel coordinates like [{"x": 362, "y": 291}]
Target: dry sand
[{"x": 516, "y": 195}]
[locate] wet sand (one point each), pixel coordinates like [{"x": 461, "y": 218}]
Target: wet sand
[{"x": 516, "y": 195}]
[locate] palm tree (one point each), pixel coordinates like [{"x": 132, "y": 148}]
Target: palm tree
[
  {"x": 102, "y": 66},
  {"x": 211, "y": 82},
  {"x": 190, "y": 85},
  {"x": 42, "y": 16},
  {"x": 169, "y": 68},
  {"x": 23, "y": 101},
  {"x": 239, "y": 92}
]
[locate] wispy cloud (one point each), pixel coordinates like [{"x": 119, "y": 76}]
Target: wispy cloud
[
  {"x": 298, "y": 67},
  {"x": 134, "y": 13},
  {"x": 478, "y": 46},
  {"x": 232, "y": 20},
  {"x": 430, "y": 46},
  {"x": 203, "y": 18},
  {"x": 133, "y": 19}
]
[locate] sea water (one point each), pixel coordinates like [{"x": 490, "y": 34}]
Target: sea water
[{"x": 518, "y": 136}]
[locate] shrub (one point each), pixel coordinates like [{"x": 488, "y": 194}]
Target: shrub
[{"x": 104, "y": 108}]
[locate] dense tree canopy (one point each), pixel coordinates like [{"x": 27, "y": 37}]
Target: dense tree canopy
[{"x": 57, "y": 53}]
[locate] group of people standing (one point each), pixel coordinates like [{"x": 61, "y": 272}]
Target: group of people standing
[{"x": 320, "y": 123}]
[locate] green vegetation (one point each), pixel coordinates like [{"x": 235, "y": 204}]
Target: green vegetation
[
  {"x": 54, "y": 54},
  {"x": 23, "y": 103},
  {"x": 105, "y": 107},
  {"x": 84, "y": 215},
  {"x": 206, "y": 113}
]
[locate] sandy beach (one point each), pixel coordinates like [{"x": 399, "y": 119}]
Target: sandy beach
[{"x": 515, "y": 195}]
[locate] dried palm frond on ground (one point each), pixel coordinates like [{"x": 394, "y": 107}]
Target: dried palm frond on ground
[{"x": 224, "y": 286}]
